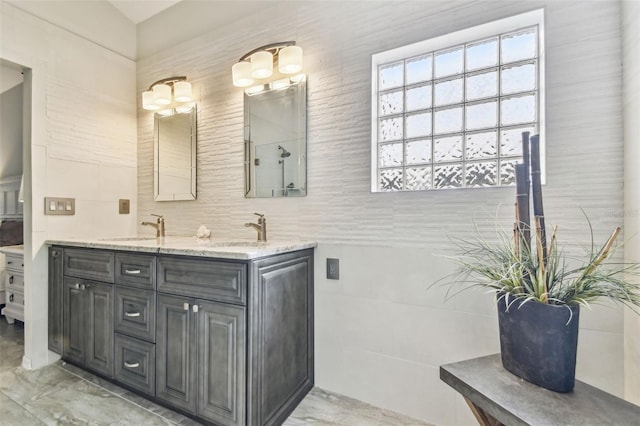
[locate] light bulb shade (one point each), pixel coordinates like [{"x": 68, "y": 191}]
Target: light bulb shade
[
  {"x": 182, "y": 91},
  {"x": 290, "y": 60},
  {"x": 261, "y": 64},
  {"x": 162, "y": 94},
  {"x": 241, "y": 73},
  {"x": 147, "y": 101}
]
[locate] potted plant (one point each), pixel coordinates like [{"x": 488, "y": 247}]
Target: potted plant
[{"x": 539, "y": 289}]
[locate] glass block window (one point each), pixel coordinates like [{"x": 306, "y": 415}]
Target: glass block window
[{"x": 450, "y": 114}]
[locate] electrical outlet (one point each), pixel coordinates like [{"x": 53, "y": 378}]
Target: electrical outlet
[
  {"x": 123, "y": 206},
  {"x": 333, "y": 269}
]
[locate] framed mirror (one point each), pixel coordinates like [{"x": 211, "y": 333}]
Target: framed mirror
[
  {"x": 275, "y": 137},
  {"x": 174, "y": 167}
]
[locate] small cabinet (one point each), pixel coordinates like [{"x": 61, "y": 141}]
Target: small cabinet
[
  {"x": 14, "y": 284},
  {"x": 88, "y": 324},
  {"x": 201, "y": 358}
]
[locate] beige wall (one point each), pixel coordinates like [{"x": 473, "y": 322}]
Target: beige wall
[
  {"x": 380, "y": 334},
  {"x": 80, "y": 137},
  {"x": 631, "y": 102}
]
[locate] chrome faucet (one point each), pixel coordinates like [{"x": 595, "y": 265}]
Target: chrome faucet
[
  {"x": 159, "y": 225},
  {"x": 261, "y": 227}
]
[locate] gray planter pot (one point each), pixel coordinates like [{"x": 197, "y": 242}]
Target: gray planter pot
[{"x": 539, "y": 342}]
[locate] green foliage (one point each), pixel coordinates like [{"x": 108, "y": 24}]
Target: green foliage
[{"x": 505, "y": 267}]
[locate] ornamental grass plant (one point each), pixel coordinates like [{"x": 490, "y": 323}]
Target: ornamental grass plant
[{"x": 521, "y": 267}]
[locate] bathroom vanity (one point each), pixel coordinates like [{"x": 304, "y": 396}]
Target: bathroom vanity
[{"x": 222, "y": 332}]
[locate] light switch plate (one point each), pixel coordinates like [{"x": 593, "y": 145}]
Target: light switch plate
[
  {"x": 59, "y": 206},
  {"x": 124, "y": 206},
  {"x": 333, "y": 269}
]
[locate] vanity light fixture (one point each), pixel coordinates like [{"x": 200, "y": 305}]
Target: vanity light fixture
[
  {"x": 165, "y": 93},
  {"x": 259, "y": 63}
]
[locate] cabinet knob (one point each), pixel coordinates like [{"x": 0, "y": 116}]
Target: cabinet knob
[
  {"x": 185, "y": 306},
  {"x": 196, "y": 308},
  {"x": 11, "y": 298},
  {"x": 77, "y": 286},
  {"x": 54, "y": 253},
  {"x": 11, "y": 279},
  {"x": 131, "y": 365}
]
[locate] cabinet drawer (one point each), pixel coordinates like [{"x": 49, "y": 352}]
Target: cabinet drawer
[
  {"x": 136, "y": 270},
  {"x": 207, "y": 279},
  {"x": 136, "y": 312},
  {"x": 15, "y": 263},
  {"x": 14, "y": 280},
  {"x": 15, "y": 298},
  {"x": 91, "y": 264},
  {"x": 135, "y": 363}
]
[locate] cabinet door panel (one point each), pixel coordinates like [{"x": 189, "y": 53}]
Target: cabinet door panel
[
  {"x": 221, "y": 363},
  {"x": 99, "y": 330},
  {"x": 74, "y": 344},
  {"x": 175, "y": 352},
  {"x": 281, "y": 331},
  {"x": 56, "y": 296}
]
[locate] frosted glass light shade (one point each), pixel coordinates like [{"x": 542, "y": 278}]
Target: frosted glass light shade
[
  {"x": 147, "y": 101},
  {"x": 290, "y": 60},
  {"x": 162, "y": 94},
  {"x": 182, "y": 91},
  {"x": 261, "y": 64},
  {"x": 241, "y": 73}
]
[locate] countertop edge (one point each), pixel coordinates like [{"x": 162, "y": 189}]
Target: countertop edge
[{"x": 188, "y": 246}]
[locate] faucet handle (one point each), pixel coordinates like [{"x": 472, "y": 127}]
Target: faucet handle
[
  {"x": 259, "y": 214},
  {"x": 159, "y": 216}
]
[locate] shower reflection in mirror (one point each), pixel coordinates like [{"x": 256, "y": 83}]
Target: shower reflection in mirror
[{"x": 275, "y": 139}]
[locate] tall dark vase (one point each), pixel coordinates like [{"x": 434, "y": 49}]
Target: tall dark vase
[{"x": 539, "y": 343}]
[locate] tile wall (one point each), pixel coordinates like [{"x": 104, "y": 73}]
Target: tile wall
[
  {"x": 381, "y": 334},
  {"x": 83, "y": 132},
  {"x": 631, "y": 102}
]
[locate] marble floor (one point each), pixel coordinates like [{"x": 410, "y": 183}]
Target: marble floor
[{"x": 62, "y": 394}]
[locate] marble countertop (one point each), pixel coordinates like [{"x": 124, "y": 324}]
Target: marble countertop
[
  {"x": 189, "y": 246},
  {"x": 19, "y": 250}
]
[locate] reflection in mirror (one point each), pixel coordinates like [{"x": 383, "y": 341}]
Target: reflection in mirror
[
  {"x": 175, "y": 155},
  {"x": 275, "y": 121}
]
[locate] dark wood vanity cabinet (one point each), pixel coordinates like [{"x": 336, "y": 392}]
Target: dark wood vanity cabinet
[{"x": 229, "y": 342}]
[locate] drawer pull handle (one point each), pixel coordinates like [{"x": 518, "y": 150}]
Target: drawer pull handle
[
  {"x": 132, "y": 271},
  {"x": 11, "y": 298},
  {"x": 132, "y": 314},
  {"x": 11, "y": 279},
  {"x": 134, "y": 365},
  {"x": 185, "y": 306}
]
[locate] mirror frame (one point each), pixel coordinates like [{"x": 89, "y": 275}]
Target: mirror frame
[{"x": 158, "y": 196}]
